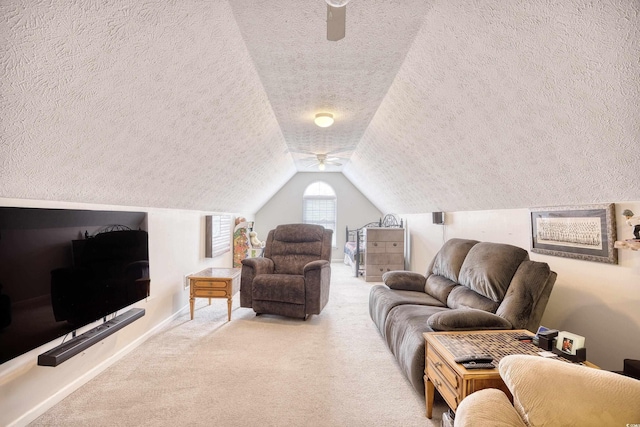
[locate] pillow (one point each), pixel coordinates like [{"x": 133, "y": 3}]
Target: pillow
[{"x": 402, "y": 280}]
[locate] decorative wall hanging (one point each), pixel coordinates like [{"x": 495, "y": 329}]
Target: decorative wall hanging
[{"x": 582, "y": 232}]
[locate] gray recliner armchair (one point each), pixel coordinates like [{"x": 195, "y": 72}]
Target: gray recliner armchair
[{"x": 292, "y": 278}]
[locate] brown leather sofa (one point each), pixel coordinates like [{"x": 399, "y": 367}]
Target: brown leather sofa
[
  {"x": 292, "y": 278},
  {"x": 469, "y": 285}
]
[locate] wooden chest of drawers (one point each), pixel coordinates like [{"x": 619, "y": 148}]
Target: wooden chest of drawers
[{"x": 384, "y": 251}]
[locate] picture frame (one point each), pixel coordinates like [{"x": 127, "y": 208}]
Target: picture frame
[
  {"x": 582, "y": 232},
  {"x": 569, "y": 343}
]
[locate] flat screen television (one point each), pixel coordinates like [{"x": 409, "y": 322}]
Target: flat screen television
[{"x": 62, "y": 269}]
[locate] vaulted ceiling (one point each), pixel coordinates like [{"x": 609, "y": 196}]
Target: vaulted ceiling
[{"x": 439, "y": 105}]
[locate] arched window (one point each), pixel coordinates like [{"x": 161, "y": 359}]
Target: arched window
[{"x": 319, "y": 206}]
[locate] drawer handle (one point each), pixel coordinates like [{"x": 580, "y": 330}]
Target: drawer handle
[
  {"x": 382, "y": 269},
  {"x": 395, "y": 244},
  {"x": 438, "y": 364},
  {"x": 437, "y": 383},
  {"x": 375, "y": 244}
]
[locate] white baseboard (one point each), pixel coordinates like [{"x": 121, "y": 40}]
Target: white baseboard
[{"x": 65, "y": 391}]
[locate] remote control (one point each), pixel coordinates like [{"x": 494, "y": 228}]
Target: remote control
[
  {"x": 477, "y": 358},
  {"x": 475, "y": 365}
]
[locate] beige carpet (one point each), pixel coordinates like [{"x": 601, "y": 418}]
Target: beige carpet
[{"x": 332, "y": 370}]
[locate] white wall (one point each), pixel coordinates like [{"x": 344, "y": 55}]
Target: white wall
[
  {"x": 285, "y": 207},
  {"x": 176, "y": 248},
  {"x": 598, "y": 301}
]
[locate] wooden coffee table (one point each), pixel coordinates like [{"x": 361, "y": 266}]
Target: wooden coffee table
[
  {"x": 214, "y": 283},
  {"x": 452, "y": 380}
]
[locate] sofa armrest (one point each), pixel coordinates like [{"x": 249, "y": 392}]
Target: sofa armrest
[
  {"x": 578, "y": 395},
  {"x": 466, "y": 319},
  {"x": 488, "y": 407},
  {"x": 317, "y": 277},
  {"x": 251, "y": 267},
  {"x": 259, "y": 265},
  {"x": 403, "y": 280},
  {"x": 315, "y": 265}
]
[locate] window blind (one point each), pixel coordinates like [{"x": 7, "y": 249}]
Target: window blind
[
  {"x": 320, "y": 211},
  {"x": 218, "y": 235}
]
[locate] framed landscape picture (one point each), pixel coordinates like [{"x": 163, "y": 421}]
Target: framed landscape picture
[{"x": 582, "y": 232}]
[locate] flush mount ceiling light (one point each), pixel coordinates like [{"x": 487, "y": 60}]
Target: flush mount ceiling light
[{"x": 324, "y": 120}]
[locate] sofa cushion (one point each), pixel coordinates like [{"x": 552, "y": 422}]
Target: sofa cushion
[
  {"x": 463, "y": 297},
  {"x": 450, "y": 258},
  {"x": 382, "y": 300},
  {"x": 489, "y": 268},
  {"x": 403, "y": 333},
  {"x": 279, "y": 287},
  {"x": 439, "y": 287},
  {"x": 522, "y": 297}
]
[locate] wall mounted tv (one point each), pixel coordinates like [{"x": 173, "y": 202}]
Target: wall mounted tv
[{"x": 61, "y": 269}]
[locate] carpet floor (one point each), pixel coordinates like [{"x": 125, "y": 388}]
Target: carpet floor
[{"x": 331, "y": 370}]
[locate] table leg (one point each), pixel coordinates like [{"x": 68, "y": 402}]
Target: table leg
[
  {"x": 229, "y": 301},
  {"x": 192, "y": 300},
  {"x": 429, "y": 391}
]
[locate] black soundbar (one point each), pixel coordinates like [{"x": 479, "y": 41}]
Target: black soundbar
[{"x": 65, "y": 351}]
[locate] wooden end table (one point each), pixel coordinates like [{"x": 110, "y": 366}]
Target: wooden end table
[
  {"x": 214, "y": 283},
  {"x": 452, "y": 380}
]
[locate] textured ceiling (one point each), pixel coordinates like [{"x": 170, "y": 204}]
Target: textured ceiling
[
  {"x": 439, "y": 105},
  {"x": 505, "y": 104},
  {"x": 135, "y": 103},
  {"x": 304, "y": 74}
]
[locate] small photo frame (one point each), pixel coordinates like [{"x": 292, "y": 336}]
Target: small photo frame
[{"x": 569, "y": 343}]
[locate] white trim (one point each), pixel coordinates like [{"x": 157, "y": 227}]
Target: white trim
[{"x": 56, "y": 398}]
